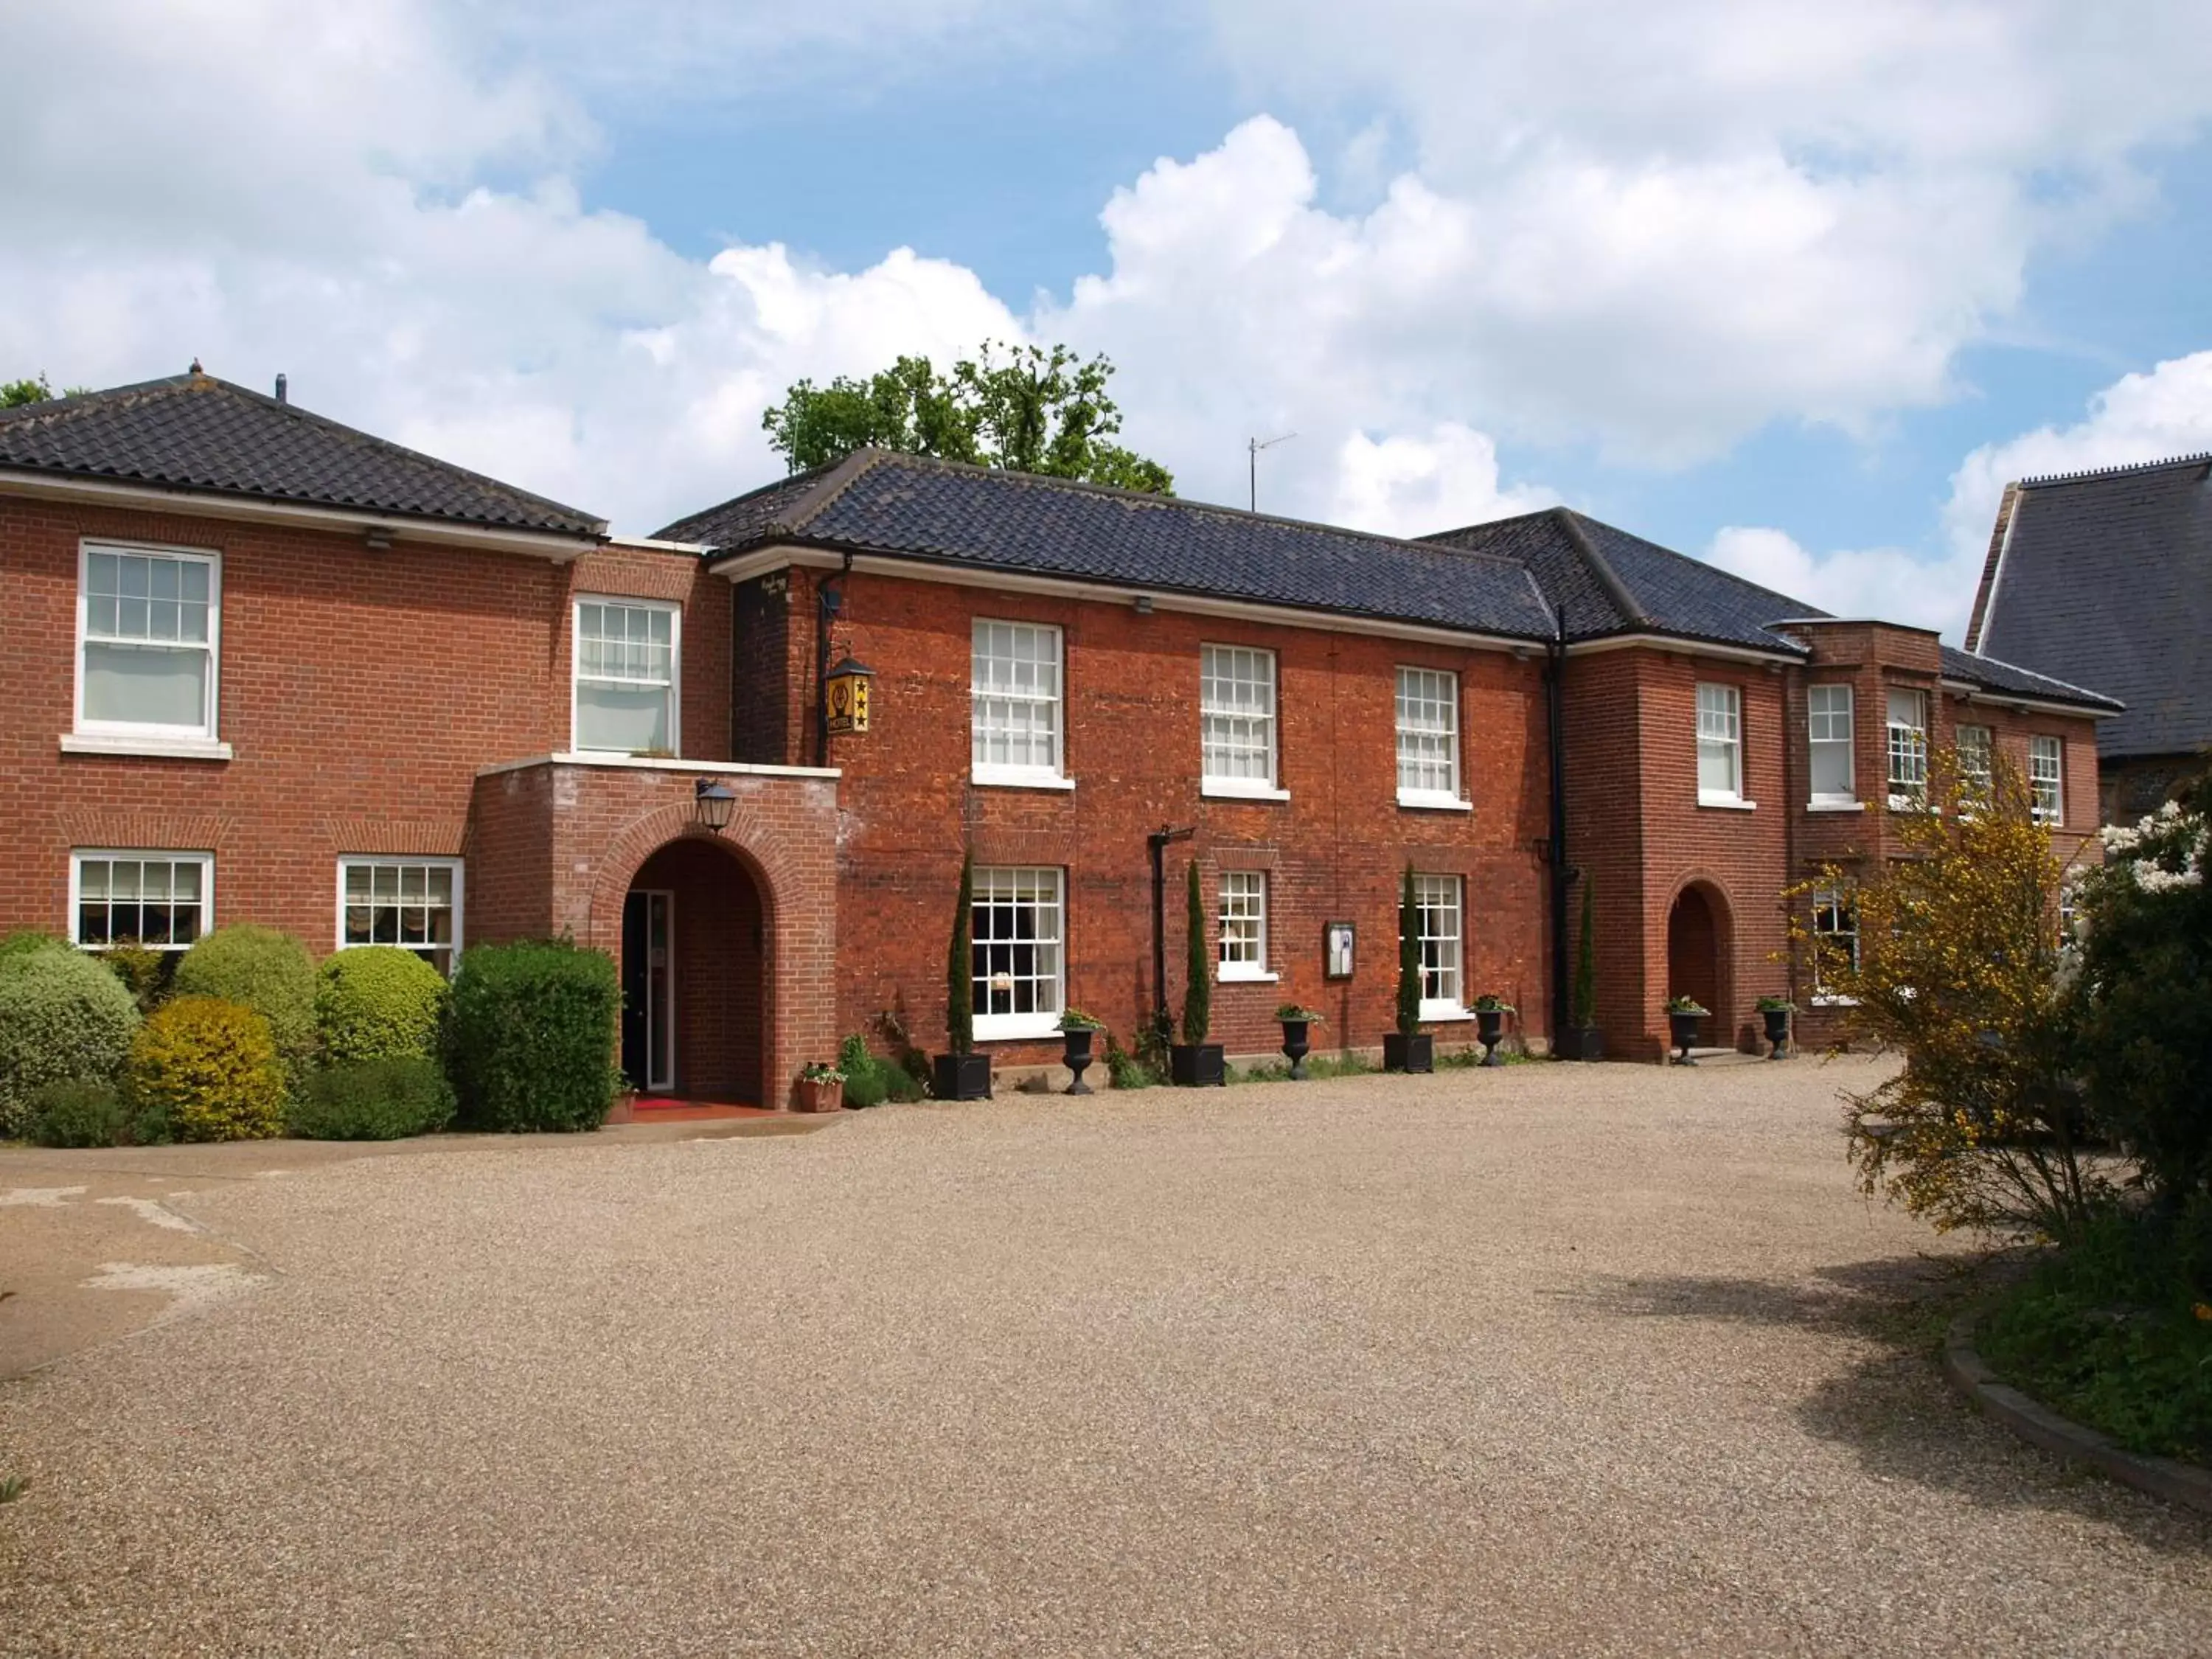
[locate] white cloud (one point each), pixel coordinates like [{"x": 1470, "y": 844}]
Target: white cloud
[
  {"x": 1409, "y": 486},
  {"x": 1887, "y": 582}
]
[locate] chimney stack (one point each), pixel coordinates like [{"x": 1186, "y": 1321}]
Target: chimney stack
[{"x": 280, "y": 398}]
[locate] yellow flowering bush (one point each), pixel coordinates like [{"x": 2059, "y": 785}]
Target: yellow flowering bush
[
  {"x": 210, "y": 1068},
  {"x": 1957, "y": 971}
]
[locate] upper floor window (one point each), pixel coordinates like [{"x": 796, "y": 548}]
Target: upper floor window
[
  {"x": 159, "y": 900},
  {"x": 1015, "y": 704},
  {"x": 1243, "y": 950},
  {"x": 1019, "y": 967},
  {"x": 1720, "y": 745},
  {"x": 1237, "y": 720},
  {"x": 1908, "y": 747},
  {"x": 1440, "y": 919},
  {"x": 1974, "y": 751},
  {"x": 148, "y": 621},
  {"x": 1828, "y": 726},
  {"x": 1428, "y": 737},
  {"x": 412, "y": 903},
  {"x": 625, "y": 682},
  {"x": 2046, "y": 779}
]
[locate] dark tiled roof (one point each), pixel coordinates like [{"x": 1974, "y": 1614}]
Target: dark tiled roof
[
  {"x": 2104, "y": 579},
  {"x": 900, "y": 505},
  {"x": 1606, "y": 581},
  {"x": 1994, "y": 676},
  {"x": 197, "y": 432}
]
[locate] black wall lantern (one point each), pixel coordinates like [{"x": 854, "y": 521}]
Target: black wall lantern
[{"x": 714, "y": 803}]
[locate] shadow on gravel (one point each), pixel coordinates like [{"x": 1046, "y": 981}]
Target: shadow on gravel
[{"x": 1893, "y": 1407}]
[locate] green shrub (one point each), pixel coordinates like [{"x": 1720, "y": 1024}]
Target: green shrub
[
  {"x": 149, "y": 974},
  {"x": 531, "y": 1038},
  {"x": 262, "y": 969},
  {"x": 62, "y": 1017},
  {"x": 25, "y": 940},
  {"x": 379, "y": 1002},
  {"x": 870, "y": 1079},
  {"x": 83, "y": 1112},
  {"x": 210, "y": 1068},
  {"x": 373, "y": 1100}
]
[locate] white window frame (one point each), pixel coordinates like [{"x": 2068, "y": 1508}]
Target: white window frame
[
  {"x": 2041, "y": 747},
  {"x": 1447, "y": 798},
  {"x": 167, "y": 855},
  {"x": 1453, "y": 1006},
  {"x": 456, "y": 866},
  {"x": 1033, "y": 1024},
  {"x": 675, "y": 612},
  {"x": 1819, "y": 720},
  {"x": 1905, "y": 749},
  {"x": 1254, "y": 971},
  {"x": 1838, "y": 902},
  {"x": 1982, "y": 777},
  {"x": 200, "y": 740},
  {"x": 1001, "y": 774},
  {"x": 1725, "y": 733},
  {"x": 1235, "y": 788}
]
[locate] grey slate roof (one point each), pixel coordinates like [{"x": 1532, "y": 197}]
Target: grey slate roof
[
  {"x": 2105, "y": 578},
  {"x": 194, "y": 432},
  {"x": 902, "y": 505},
  {"x": 1992, "y": 674}
]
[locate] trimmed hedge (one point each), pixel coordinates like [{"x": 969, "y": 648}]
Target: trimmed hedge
[
  {"x": 531, "y": 1036},
  {"x": 378, "y": 1002},
  {"x": 373, "y": 1100},
  {"x": 81, "y": 1113},
  {"x": 211, "y": 1068},
  {"x": 64, "y": 1018},
  {"x": 261, "y": 969}
]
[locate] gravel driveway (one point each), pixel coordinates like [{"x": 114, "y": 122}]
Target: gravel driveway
[{"x": 1542, "y": 1360}]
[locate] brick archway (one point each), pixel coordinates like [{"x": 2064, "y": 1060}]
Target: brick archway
[{"x": 1700, "y": 953}]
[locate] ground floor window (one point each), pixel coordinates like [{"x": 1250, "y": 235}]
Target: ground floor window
[
  {"x": 1244, "y": 924},
  {"x": 159, "y": 900},
  {"x": 414, "y": 903},
  {"x": 2045, "y": 778},
  {"x": 1437, "y": 901},
  {"x": 1017, "y": 921},
  {"x": 1835, "y": 937}
]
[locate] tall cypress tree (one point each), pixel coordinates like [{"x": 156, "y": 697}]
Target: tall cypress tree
[
  {"x": 1409, "y": 957},
  {"x": 960, "y": 967},
  {"x": 1198, "y": 988}
]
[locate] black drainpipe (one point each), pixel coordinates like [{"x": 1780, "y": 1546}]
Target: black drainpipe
[
  {"x": 828, "y": 601},
  {"x": 1555, "y": 666},
  {"x": 1158, "y": 842}
]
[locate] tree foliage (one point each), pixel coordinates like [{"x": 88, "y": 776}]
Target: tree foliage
[
  {"x": 1032, "y": 410},
  {"x": 13, "y": 394},
  {"x": 1958, "y": 959}
]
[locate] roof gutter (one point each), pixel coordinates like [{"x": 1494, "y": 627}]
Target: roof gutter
[
  {"x": 1973, "y": 693},
  {"x": 559, "y": 546},
  {"x": 1685, "y": 644}
]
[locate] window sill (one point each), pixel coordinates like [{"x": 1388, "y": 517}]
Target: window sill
[
  {"x": 1228, "y": 977},
  {"x": 1017, "y": 777},
  {"x": 1442, "y": 1013},
  {"x": 1835, "y": 1002},
  {"x": 1838, "y": 805},
  {"x": 1016, "y": 1028},
  {"x": 1727, "y": 802},
  {"x": 1433, "y": 800},
  {"x": 1215, "y": 789},
  {"x": 1908, "y": 803},
  {"x": 117, "y": 742}
]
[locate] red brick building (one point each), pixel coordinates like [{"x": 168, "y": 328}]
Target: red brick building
[{"x": 267, "y": 668}]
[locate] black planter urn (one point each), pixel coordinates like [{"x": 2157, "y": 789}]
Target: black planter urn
[
  {"x": 1409, "y": 1052},
  {"x": 1583, "y": 1043},
  {"x": 1196, "y": 1066},
  {"x": 1490, "y": 1031},
  {"x": 961, "y": 1077},
  {"x": 1075, "y": 1054},
  {"x": 1778, "y": 1030},
  {"x": 1684, "y": 1028},
  {"x": 1295, "y": 1046}
]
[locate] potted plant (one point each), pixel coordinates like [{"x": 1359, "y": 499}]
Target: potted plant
[
  {"x": 1076, "y": 1031},
  {"x": 1776, "y": 1012},
  {"x": 962, "y": 1074},
  {"x": 1490, "y": 1013},
  {"x": 1194, "y": 1062},
  {"x": 1585, "y": 1040},
  {"x": 1409, "y": 1048},
  {"x": 1297, "y": 1020},
  {"x": 1683, "y": 1014},
  {"x": 821, "y": 1088}
]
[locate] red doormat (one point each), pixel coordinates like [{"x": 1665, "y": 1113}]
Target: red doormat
[{"x": 665, "y": 1109}]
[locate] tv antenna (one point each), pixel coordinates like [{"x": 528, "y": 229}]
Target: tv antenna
[{"x": 1253, "y": 447}]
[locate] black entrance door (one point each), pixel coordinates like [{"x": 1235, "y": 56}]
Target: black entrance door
[{"x": 647, "y": 1022}]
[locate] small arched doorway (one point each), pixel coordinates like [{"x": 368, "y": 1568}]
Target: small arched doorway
[
  {"x": 1697, "y": 936},
  {"x": 692, "y": 945}
]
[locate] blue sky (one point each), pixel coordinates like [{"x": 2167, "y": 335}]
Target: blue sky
[{"x": 1786, "y": 287}]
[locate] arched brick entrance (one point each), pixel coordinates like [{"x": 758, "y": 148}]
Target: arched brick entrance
[
  {"x": 1697, "y": 956},
  {"x": 691, "y": 949}
]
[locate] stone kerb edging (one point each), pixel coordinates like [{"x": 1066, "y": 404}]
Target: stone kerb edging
[{"x": 2038, "y": 1425}]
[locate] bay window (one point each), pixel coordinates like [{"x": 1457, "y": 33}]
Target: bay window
[
  {"x": 1828, "y": 728},
  {"x": 1720, "y": 746}
]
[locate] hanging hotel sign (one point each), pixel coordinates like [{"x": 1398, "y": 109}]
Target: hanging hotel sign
[{"x": 845, "y": 697}]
